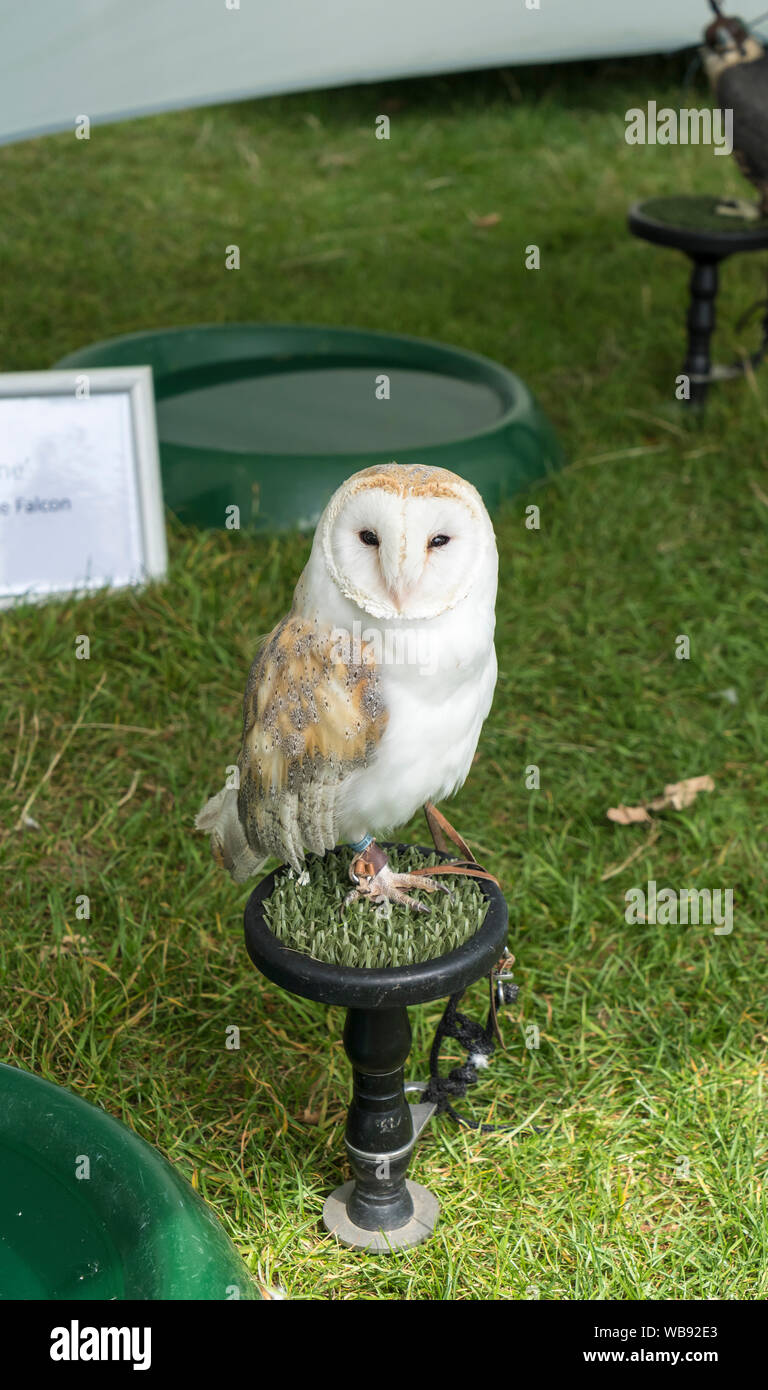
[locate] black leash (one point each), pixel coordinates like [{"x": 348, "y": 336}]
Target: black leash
[
  {"x": 744, "y": 365},
  {"x": 479, "y": 1042}
]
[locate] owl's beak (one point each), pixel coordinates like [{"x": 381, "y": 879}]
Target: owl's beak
[
  {"x": 396, "y": 586},
  {"x": 400, "y": 570},
  {"x": 398, "y": 594}
]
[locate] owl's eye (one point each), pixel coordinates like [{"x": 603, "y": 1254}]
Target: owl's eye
[
  {"x": 437, "y": 541},
  {"x": 369, "y": 538}
]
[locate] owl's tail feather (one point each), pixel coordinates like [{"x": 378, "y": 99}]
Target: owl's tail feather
[{"x": 229, "y": 846}]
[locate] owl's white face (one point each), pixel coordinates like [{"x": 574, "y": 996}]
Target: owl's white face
[{"x": 408, "y": 551}]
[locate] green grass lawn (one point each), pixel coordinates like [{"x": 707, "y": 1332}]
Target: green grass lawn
[{"x": 649, "y": 1181}]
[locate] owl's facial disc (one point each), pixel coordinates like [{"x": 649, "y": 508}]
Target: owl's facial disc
[{"x": 407, "y": 557}]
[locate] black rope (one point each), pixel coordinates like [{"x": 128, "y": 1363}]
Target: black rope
[
  {"x": 743, "y": 365},
  {"x": 479, "y": 1042},
  {"x": 756, "y": 357}
]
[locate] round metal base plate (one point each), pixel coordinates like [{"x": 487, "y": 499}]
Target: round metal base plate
[{"x": 420, "y": 1227}]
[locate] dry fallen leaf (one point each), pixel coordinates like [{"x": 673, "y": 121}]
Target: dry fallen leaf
[
  {"x": 627, "y": 815},
  {"x": 491, "y": 219},
  {"x": 676, "y": 794},
  {"x": 310, "y": 1117},
  {"x": 681, "y": 794},
  {"x": 62, "y": 947}
]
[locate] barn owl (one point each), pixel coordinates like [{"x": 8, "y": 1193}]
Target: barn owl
[
  {"x": 367, "y": 700},
  {"x": 736, "y": 64}
]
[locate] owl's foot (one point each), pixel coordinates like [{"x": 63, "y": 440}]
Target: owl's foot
[
  {"x": 378, "y": 884},
  {"x": 387, "y": 887},
  {"x": 739, "y": 207}
]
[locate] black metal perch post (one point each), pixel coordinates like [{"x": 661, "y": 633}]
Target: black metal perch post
[
  {"x": 380, "y": 1209},
  {"x": 673, "y": 222}
]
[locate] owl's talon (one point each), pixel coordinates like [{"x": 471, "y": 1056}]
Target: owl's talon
[
  {"x": 384, "y": 887},
  {"x": 432, "y": 885}
]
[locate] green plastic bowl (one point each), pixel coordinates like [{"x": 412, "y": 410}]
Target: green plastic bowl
[
  {"x": 273, "y": 417},
  {"x": 132, "y": 1229}
]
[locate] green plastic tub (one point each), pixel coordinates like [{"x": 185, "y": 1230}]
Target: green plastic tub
[
  {"x": 132, "y": 1228},
  {"x": 271, "y": 418}
]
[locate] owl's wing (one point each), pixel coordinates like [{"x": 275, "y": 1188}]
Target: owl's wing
[
  {"x": 743, "y": 89},
  {"x": 313, "y": 712}
]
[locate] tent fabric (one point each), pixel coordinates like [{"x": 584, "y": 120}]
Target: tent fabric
[{"x": 111, "y": 59}]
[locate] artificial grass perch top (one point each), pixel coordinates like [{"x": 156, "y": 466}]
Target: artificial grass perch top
[{"x": 310, "y": 917}]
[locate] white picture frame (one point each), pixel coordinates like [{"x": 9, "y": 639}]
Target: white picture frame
[{"x": 81, "y": 502}]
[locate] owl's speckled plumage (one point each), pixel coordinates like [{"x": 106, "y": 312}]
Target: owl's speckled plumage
[
  {"x": 309, "y": 719},
  {"x": 341, "y": 736}
]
